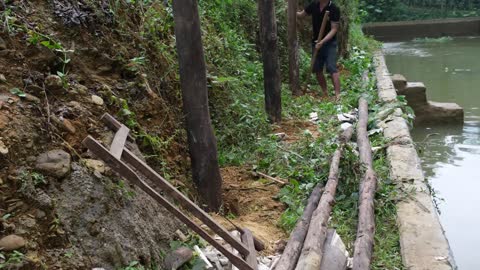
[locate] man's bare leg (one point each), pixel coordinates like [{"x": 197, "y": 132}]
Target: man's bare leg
[
  {"x": 336, "y": 84},
  {"x": 323, "y": 83}
]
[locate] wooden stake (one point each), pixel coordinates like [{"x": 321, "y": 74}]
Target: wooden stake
[
  {"x": 363, "y": 248},
  {"x": 312, "y": 251}
]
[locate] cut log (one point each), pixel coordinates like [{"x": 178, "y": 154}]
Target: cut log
[
  {"x": 292, "y": 251},
  {"x": 312, "y": 252},
  {"x": 363, "y": 248}
]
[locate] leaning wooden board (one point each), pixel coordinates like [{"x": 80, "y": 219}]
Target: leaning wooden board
[{"x": 119, "y": 158}]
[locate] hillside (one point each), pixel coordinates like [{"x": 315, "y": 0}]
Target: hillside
[{"x": 64, "y": 64}]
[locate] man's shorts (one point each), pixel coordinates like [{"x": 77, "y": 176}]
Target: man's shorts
[{"x": 327, "y": 56}]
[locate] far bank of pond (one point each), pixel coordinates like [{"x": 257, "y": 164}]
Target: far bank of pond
[{"x": 450, "y": 69}]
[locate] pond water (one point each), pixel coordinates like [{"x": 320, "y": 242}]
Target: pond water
[{"x": 450, "y": 69}]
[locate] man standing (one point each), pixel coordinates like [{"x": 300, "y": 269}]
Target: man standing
[{"x": 327, "y": 45}]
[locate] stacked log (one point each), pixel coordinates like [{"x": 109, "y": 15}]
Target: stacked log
[
  {"x": 312, "y": 251},
  {"x": 290, "y": 255},
  {"x": 363, "y": 248}
]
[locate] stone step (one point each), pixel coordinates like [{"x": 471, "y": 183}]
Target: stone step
[
  {"x": 415, "y": 93},
  {"x": 399, "y": 81},
  {"x": 438, "y": 112}
]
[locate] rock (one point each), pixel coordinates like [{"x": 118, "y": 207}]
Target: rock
[
  {"x": 54, "y": 84},
  {"x": 12, "y": 242},
  {"x": 80, "y": 89},
  {"x": 2, "y": 78},
  {"x": 40, "y": 214},
  {"x": 95, "y": 165},
  {"x": 97, "y": 100},
  {"x": 177, "y": 258},
  {"x": 27, "y": 222},
  {"x": 3, "y": 148},
  {"x": 32, "y": 98},
  {"x": 3, "y": 45},
  {"x": 55, "y": 163},
  {"x": 399, "y": 82},
  {"x": 68, "y": 126},
  {"x": 105, "y": 90}
]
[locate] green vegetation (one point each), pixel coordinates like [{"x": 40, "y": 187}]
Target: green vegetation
[
  {"x": 235, "y": 81},
  {"x": 11, "y": 259},
  {"x": 396, "y": 10}
]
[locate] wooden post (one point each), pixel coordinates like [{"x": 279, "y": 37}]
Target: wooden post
[
  {"x": 201, "y": 140},
  {"x": 271, "y": 65},
  {"x": 293, "y": 65},
  {"x": 363, "y": 248},
  {"x": 290, "y": 255},
  {"x": 312, "y": 251}
]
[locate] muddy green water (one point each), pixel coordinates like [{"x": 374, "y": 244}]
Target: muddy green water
[{"x": 450, "y": 154}]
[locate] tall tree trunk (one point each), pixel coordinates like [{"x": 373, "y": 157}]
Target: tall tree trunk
[
  {"x": 271, "y": 65},
  {"x": 293, "y": 66},
  {"x": 201, "y": 140}
]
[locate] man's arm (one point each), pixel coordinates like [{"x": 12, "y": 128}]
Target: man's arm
[{"x": 330, "y": 35}]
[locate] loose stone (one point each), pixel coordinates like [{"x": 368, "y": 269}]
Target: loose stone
[
  {"x": 97, "y": 100},
  {"x": 55, "y": 163},
  {"x": 12, "y": 242}
]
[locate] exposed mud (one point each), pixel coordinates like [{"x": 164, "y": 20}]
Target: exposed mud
[{"x": 251, "y": 203}]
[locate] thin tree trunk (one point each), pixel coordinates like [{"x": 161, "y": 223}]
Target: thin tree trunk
[
  {"x": 201, "y": 140},
  {"x": 293, "y": 65},
  {"x": 271, "y": 65},
  {"x": 312, "y": 251},
  {"x": 363, "y": 248},
  {"x": 290, "y": 255}
]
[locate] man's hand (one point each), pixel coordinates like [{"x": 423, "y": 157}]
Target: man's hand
[
  {"x": 319, "y": 45},
  {"x": 301, "y": 14}
]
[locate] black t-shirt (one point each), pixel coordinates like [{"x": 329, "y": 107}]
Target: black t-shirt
[{"x": 313, "y": 9}]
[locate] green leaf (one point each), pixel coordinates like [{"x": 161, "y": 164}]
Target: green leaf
[{"x": 18, "y": 92}]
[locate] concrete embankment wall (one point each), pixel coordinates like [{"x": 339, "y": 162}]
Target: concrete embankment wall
[
  {"x": 408, "y": 30},
  {"x": 424, "y": 245}
]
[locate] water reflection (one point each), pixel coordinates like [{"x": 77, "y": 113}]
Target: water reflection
[{"x": 450, "y": 154}]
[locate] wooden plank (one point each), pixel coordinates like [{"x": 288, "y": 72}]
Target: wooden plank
[
  {"x": 335, "y": 256},
  {"x": 119, "y": 142},
  {"x": 136, "y": 163},
  {"x": 122, "y": 169},
  {"x": 247, "y": 239},
  {"x": 114, "y": 124},
  {"x": 163, "y": 184}
]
